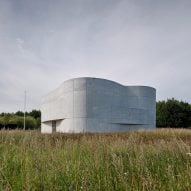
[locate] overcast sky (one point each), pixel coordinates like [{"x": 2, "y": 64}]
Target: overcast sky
[{"x": 133, "y": 42}]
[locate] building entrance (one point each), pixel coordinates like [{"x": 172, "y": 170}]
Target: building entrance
[{"x": 53, "y": 126}]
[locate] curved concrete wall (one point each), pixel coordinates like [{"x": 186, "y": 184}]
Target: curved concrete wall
[{"x": 98, "y": 105}]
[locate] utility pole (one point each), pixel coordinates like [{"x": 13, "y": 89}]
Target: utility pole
[{"x": 25, "y": 97}]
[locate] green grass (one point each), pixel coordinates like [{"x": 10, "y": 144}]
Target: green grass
[{"x": 155, "y": 160}]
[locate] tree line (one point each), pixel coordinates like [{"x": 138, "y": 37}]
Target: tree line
[
  {"x": 173, "y": 113},
  {"x": 170, "y": 113},
  {"x": 16, "y": 120}
]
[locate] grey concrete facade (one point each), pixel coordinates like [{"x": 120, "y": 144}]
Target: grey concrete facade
[{"x": 98, "y": 105}]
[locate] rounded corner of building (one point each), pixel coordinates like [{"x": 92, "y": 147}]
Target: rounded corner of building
[{"x": 85, "y": 106}]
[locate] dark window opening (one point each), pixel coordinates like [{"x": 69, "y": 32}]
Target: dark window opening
[{"x": 53, "y": 126}]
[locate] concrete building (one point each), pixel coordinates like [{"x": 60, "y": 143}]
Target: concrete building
[{"x": 98, "y": 105}]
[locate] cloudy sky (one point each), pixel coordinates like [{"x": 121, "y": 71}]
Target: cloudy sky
[{"x": 133, "y": 42}]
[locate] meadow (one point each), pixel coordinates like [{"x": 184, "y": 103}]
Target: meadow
[{"x": 154, "y": 160}]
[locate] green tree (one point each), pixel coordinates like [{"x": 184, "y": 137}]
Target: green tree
[
  {"x": 19, "y": 113},
  {"x": 173, "y": 113},
  {"x": 16, "y": 120},
  {"x": 6, "y": 119},
  {"x": 31, "y": 123},
  {"x": 35, "y": 113}
]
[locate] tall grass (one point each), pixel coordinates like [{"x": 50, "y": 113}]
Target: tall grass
[{"x": 156, "y": 160}]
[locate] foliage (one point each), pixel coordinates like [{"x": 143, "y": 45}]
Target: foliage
[
  {"x": 31, "y": 123},
  {"x": 16, "y": 120},
  {"x": 173, "y": 113},
  {"x": 19, "y": 113},
  {"x": 157, "y": 160},
  {"x": 35, "y": 113}
]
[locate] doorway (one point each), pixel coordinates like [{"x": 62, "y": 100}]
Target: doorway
[{"x": 53, "y": 126}]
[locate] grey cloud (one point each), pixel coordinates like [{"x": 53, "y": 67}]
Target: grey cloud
[{"x": 44, "y": 42}]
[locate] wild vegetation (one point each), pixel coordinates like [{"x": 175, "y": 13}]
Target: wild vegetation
[
  {"x": 16, "y": 120},
  {"x": 155, "y": 160}
]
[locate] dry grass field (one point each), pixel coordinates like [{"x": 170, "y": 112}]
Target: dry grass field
[{"x": 155, "y": 160}]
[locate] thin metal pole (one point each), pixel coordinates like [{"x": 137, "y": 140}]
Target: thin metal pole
[{"x": 25, "y": 97}]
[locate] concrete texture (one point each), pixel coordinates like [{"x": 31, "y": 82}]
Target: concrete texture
[{"x": 98, "y": 105}]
